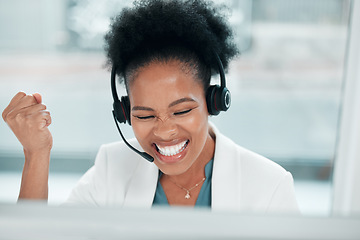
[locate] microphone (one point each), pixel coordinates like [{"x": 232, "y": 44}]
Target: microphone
[{"x": 143, "y": 154}]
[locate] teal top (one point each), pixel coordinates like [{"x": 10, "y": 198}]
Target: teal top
[{"x": 204, "y": 198}]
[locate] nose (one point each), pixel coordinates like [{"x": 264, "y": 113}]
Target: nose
[{"x": 165, "y": 129}]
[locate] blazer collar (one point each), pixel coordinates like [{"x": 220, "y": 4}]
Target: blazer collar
[
  {"x": 226, "y": 177},
  {"x": 224, "y": 185},
  {"x": 142, "y": 187}
]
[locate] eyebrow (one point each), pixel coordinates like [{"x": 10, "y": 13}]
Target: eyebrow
[
  {"x": 176, "y": 102},
  {"x": 181, "y": 100}
]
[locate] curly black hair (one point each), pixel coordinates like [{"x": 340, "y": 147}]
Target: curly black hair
[{"x": 191, "y": 31}]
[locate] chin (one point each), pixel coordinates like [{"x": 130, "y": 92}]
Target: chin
[{"x": 171, "y": 169}]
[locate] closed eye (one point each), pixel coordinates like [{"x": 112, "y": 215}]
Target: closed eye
[
  {"x": 182, "y": 112},
  {"x": 144, "y": 117}
]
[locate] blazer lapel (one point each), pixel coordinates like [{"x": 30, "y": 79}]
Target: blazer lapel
[
  {"x": 142, "y": 186},
  {"x": 226, "y": 178}
]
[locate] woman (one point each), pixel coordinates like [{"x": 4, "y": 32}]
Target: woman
[{"x": 165, "y": 52}]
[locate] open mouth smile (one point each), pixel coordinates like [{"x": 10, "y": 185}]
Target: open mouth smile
[{"x": 173, "y": 150}]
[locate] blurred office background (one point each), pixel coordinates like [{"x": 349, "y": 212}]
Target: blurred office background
[{"x": 286, "y": 86}]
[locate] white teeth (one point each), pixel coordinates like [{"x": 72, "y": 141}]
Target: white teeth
[{"x": 172, "y": 150}]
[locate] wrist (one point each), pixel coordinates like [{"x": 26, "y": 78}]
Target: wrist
[
  {"x": 38, "y": 155},
  {"x": 34, "y": 182}
]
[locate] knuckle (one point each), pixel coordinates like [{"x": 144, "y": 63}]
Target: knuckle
[
  {"x": 21, "y": 94},
  {"x": 10, "y": 116},
  {"x": 28, "y": 96},
  {"x": 43, "y": 106},
  {"x": 29, "y": 99},
  {"x": 19, "y": 117},
  {"x": 4, "y": 114}
]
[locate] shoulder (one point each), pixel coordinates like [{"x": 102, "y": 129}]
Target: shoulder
[
  {"x": 117, "y": 161},
  {"x": 106, "y": 182},
  {"x": 229, "y": 152},
  {"x": 257, "y": 183}
]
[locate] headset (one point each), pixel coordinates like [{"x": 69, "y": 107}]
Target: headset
[{"x": 218, "y": 99}]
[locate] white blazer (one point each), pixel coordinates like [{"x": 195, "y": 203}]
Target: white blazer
[{"x": 242, "y": 180}]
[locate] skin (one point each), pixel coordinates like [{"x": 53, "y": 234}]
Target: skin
[
  {"x": 168, "y": 106},
  {"x": 28, "y": 119}
]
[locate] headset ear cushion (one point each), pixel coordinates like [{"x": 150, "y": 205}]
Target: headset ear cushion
[
  {"x": 223, "y": 99},
  {"x": 217, "y": 99},
  {"x": 126, "y": 105},
  {"x": 210, "y": 100},
  {"x": 119, "y": 112},
  {"x": 122, "y": 110}
]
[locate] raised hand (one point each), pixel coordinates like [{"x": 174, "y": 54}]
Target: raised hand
[{"x": 28, "y": 119}]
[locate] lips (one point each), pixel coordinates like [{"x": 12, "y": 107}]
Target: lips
[{"x": 172, "y": 150}]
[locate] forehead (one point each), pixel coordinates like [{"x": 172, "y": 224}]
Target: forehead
[
  {"x": 170, "y": 74},
  {"x": 163, "y": 83}
]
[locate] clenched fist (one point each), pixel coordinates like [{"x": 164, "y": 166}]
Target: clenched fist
[{"x": 28, "y": 119}]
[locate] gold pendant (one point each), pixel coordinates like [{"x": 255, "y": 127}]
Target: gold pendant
[{"x": 187, "y": 196}]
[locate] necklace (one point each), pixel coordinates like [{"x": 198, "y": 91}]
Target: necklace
[{"x": 187, "y": 196}]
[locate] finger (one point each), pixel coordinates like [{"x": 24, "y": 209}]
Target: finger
[
  {"x": 37, "y": 121},
  {"x": 32, "y": 109},
  {"x": 47, "y": 118},
  {"x": 12, "y": 103},
  {"x": 27, "y": 101},
  {"x": 24, "y": 102},
  {"x": 42, "y": 119},
  {"x": 17, "y": 97},
  {"x": 23, "y": 115},
  {"x": 37, "y": 97}
]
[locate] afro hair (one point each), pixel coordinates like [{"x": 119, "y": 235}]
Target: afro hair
[{"x": 191, "y": 31}]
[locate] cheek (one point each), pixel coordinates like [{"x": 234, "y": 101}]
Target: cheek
[
  {"x": 197, "y": 126},
  {"x": 194, "y": 124},
  {"x": 141, "y": 131},
  {"x": 200, "y": 120}
]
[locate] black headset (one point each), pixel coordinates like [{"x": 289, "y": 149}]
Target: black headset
[{"x": 218, "y": 99}]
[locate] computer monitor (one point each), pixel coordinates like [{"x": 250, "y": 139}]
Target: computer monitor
[{"x": 38, "y": 221}]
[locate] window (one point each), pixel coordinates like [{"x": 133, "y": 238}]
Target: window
[{"x": 285, "y": 86}]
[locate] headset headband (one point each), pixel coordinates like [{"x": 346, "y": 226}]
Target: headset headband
[
  {"x": 113, "y": 84},
  {"x": 221, "y": 70},
  {"x": 218, "y": 60}
]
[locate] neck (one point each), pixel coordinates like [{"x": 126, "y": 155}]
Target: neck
[{"x": 197, "y": 170}]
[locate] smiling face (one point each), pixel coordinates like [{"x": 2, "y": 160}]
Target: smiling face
[{"x": 169, "y": 116}]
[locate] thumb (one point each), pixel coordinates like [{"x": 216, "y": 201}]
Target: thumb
[{"x": 37, "y": 97}]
